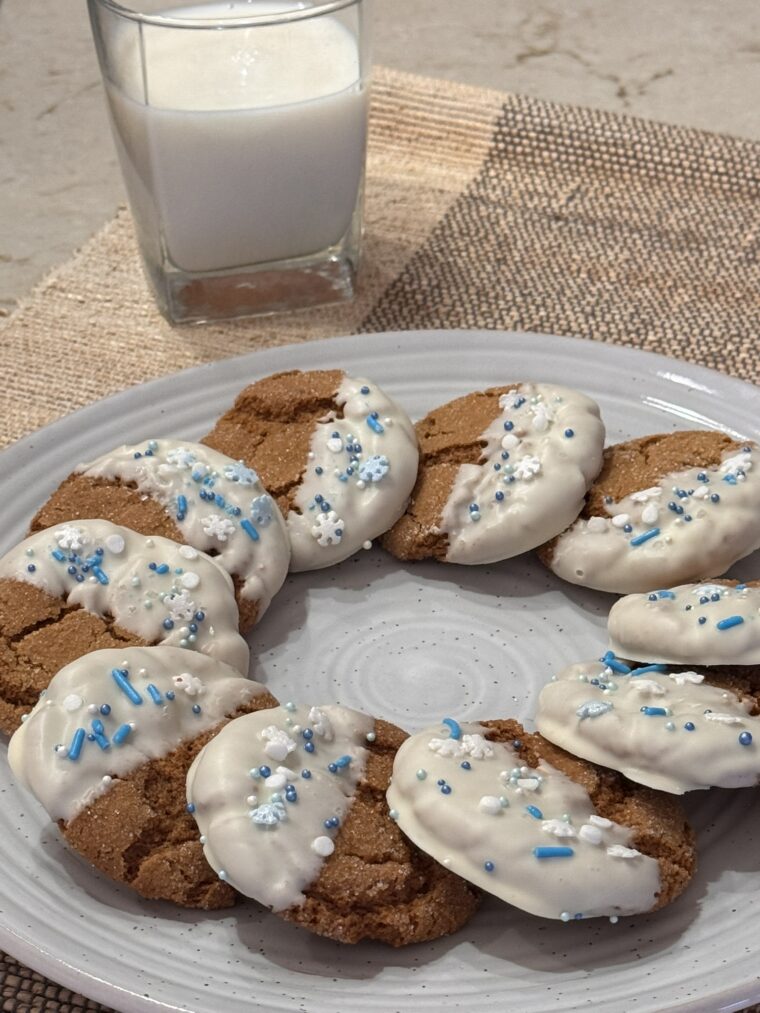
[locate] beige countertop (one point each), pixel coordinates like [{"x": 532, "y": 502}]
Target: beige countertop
[{"x": 693, "y": 62}]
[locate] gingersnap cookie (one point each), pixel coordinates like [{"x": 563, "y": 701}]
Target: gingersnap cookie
[
  {"x": 92, "y": 584},
  {"x": 291, "y": 808},
  {"x": 107, "y": 749},
  {"x": 715, "y": 623},
  {"x": 336, "y": 452},
  {"x": 537, "y": 827},
  {"x": 501, "y": 471},
  {"x": 191, "y": 494},
  {"x": 665, "y": 510},
  {"x": 667, "y": 728}
]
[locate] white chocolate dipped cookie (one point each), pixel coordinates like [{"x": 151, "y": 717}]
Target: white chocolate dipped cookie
[
  {"x": 537, "y": 827},
  {"x": 92, "y": 584},
  {"x": 106, "y": 752},
  {"x": 665, "y": 510},
  {"x": 672, "y": 730},
  {"x": 712, "y": 623},
  {"x": 339, "y": 455},
  {"x": 291, "y": 809},
  {"x": 501, "y": 471},
  {"x": 189, "y": 493}
]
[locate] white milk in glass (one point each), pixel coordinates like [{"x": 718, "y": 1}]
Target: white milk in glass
[{"x": 241, "y": 146}]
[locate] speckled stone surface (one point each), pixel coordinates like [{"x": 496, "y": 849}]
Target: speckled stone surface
[{"x": 693, "y": 62}]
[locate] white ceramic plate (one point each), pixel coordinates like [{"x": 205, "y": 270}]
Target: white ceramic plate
[{"x": 409, "y": 643}]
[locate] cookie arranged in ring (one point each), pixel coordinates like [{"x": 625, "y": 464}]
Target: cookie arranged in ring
[
  {"x": 191, "y": 494},
  {"x": 291, "y": 808},
  {"x": 107, "y": 749},
  {"x": 336, "y": 452},
  {"x": 501, "y": 471},
  {"x": 664, "y": 510},
  {"x": 93, "y": 584},
  {"x": 537, "y": 827},
  {"x": 667, "y": 728},
  {"x": 713, "y": 623}
]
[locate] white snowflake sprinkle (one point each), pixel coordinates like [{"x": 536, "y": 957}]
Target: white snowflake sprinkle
[
  {"x": 262, "y": 511},
  {"x": 71, "y": 537},
  {"x": 189, "y": 684},
  {"x": 278, "y": 743},
  {"x": 542, "y": 416},
  {"x": 597, "y": 525},
  {"x": 737, "y": 465},
  {"x": 269, "y": 814},
  {"x": 181, "y": 458},
  {"x": 180, "y": 605},
  {"x": 469, "y": 745},
  {"x": 647, "y": 687},
  {"x": 681, "y": 678},
  {"x": 240, "y": 473},
  {"x": 593, "y": 709},
  {"x": 527, "y": 468},
  {"x": 328, "y": 529},
  {"x": 643, "y": 495},
  {"x": 620, "y": 851},
  {"x": 218, "y": 527},
  {"x": 702, "y": 590},
  {"x": 321, "y": 724},
  {"x": 558, "y": 828},
  {"x": 723, "y": 719}
]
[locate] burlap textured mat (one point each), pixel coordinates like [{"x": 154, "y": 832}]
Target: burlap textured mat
[{"x": 483, "y": 210}]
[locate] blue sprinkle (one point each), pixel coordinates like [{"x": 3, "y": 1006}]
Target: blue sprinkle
[
  {"x": 702, "y": 620},
  {"x": 715, "y": 597},
  {"x": 649, "y": 668},
  {"x": 505, "y": 455},
  {"x": 689, "y": 726},
  {"x": 57, "y": 554},
  {"x": 306, "y": 774},
  {"x": 644, "y": 537},
  {"x": 31, "y": 568},
  {"x": 553, "y": 852},
  {"x": 72, "y": 570},
  {"x": 76, "y": 744},
  {"x": 364, "y": 390},
  {"x": 342, "y": 761},
  {"x": 702, "y": 477},
  {"x": 731, "y": 479},
  {"x": 455, "y": 732},
  {"x": 307, "y": 733},
  {"x": 488, "y": 866},
  {"x": 79, "y": 578},
  {"x": 375, "y": 424},
  {"x": 249, "y": 529},
  {"x": 726, "y": 624},
  {"x": 121, "y": 734},
  {"x": 655, "y": 712},
  {"x": 264, "y": 770},
  {"x": 332, "y": 767},
  {"x": 593, "y": 709},
  {"x": 628, "y": 528},
  {"x": 715, "y": 498},
  {"x": 170, "y": 694},
  {"x": 309, "y": 747},
  {"x": 154, "y": 693},
  {"x": 105, "y": 709},
  {"x": 499, "y": 496},
  {"x": 162, "y": 568},
  {"x": 465, "y": 765},
  {"x": 196, "y": 708},
  {"x": 612, "y": 662},
  {"x": 190, "y": 807},
  {"x": 102, "y": 578},
  {"x": 534, "y": 811},
  {"x": 569, "y": 433},
  {"x": 745, "y": 739},
  {"x": 181, "y": 508},
  {"x": 665, "y": 594},
  {"x": 152, "y": 566},
  {"x": 509, "y": 426},
  {"x": 200, "y": 616},
  {"x": 168, "y": 624},
  {"x": 121, "y": 678},
  {"x": 98, "y": 734},
  {"x": 445, "y": 789}
]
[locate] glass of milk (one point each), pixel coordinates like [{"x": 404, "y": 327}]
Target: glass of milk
[{"x": 241, "y": 128}]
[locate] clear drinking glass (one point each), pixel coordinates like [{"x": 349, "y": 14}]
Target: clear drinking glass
[{"x": 241, "y": 128}]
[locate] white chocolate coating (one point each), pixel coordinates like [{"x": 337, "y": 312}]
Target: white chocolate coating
[
  {"x": 361, "y": 492},
  {"x": 692, "y": 624},
  {"x": 150, "y": 586},
  {"x": 603, "y": 721},
  {"x": 223, "y": 506},
  {"x": 485, "y": 818},
  {"x": 532, "y": 477},
  {"x": 676, "y": 532},
  {"x": 264, "y": 844},
  {"x": 41, "y": 754}
]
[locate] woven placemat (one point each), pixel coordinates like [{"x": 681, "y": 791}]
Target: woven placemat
[{"x": 483, "y": 210}]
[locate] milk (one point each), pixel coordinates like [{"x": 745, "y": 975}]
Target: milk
[{"x": 240, "y": 146}]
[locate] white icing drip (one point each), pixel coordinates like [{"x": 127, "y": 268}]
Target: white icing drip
[
  {"x": 139, "y": 598},
  {"x": 642, "y": 746},
  {"x": 275, "y": 851},
  {"x": 454, "y": 829},
  {"x": 543, "y": 482},
  {"x": 717, "y": 534},
  {"x": 65, "y": 786},
  {"x": 366, "y": 502},
  {"x": 668, "y": 629},
  {"x": 175, "y": 469}
]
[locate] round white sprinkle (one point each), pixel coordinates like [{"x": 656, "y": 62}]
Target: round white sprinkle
[
  {"x": 590, "y": 834},
  {"x": 276, "y": 750},
  {"x": 252, "y": 800},
  {"x": 509, "y": 442},
  {"x": 367, "y": 544},
  {"x": 650, "y": 514},
  {"x": 72, "y": 702},
  {"x": 188, "y": 552},
  {"x": 322, "y": 846},
  {"x": 620, "y": 520},
  {"x": 115, "y": 544},
  {"x": 107, "y": 779},
  {"x": 335, "y": 444},
  {"x": 490, "y": 805},
  {"x": 190, "y": 580}
]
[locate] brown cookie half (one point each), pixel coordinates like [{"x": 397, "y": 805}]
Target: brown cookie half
[
  {"x": 665, "y": 509},
  {"x": 107, "y": 749},
  {"x": 321, "y": 848}
]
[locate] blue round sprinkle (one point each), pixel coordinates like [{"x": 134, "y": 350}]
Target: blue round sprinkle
[
  {"x": 72, "y": 570},
  {"x": 689, "y": 726},
  {"x": 745, "y": 739},
  {"x": 364, "y": 390},
  {"x": 190, "y": 807},
  {"x": 152, "y": 566},
  {"x": 703, "y": 599},
  {"x": 569, "y": 433},
  {"x": 509, "y": 426},
  {"x": 465, "y": 765},
  {"x": 305, "y": 774},
  {"x": 445, "y": 789},
  {"x": 31, "y": 568},
  {"x": 653, "y": 597},
  {"x": 105, "y": 709},
  {"x": 505, "y": 455},
  {"x": 440, "y": 782},
  {"x": 702, "y": 620},
  {"x": 196, "y": 708},
  {"x": 715, "y": 498},
  {"x": 309, "y": 747},
  {"x": 628, "y": 528},
  {"x": 99, "y": 552},
  {"x": 332, "y": 767},
  {"x": 193, "y": 628},
  {"x": 715, "y": 597},
  {"x": 200, "y": 616},
  {"x": 170, "y": 694},
  {"x": 307, "y": 733},
  {"x": 499, "y": 496},
  {"x": 265, "y": 771},
  {"x": 79, "y": 578},
  {"x": 319, "y": 470},
  {"x": 488, "y": 866},
  {"x": 168, "y": 624}
]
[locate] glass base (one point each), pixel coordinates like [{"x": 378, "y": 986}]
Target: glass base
[{"x": 256, "y": 290}]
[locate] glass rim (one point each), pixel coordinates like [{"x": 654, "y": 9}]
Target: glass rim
[{"x": 244, "y": 21}]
